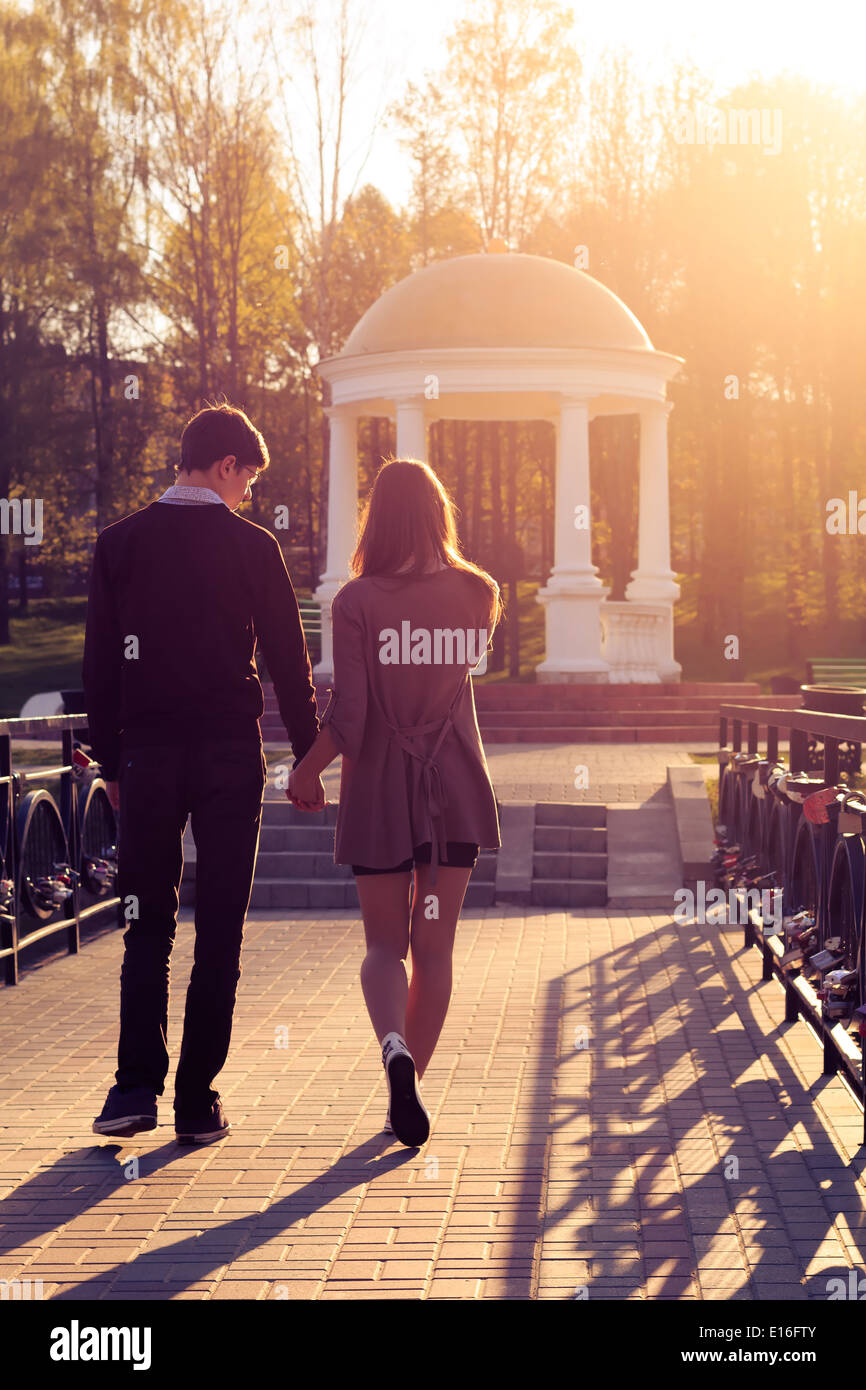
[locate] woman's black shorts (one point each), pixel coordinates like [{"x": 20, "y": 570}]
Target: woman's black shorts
[{"x": 461, "y": 854}]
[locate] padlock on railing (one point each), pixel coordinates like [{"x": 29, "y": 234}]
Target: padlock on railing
[
  {"x": 815, "y": 806},
  {"x": 840, "y": 979},
  {"x": 100, "y": 871},
  {"x": 84, "y": 768},
  {"x": 53, "y": 890}
]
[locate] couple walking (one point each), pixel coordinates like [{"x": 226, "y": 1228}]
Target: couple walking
[{"x": 181, "y": 594}]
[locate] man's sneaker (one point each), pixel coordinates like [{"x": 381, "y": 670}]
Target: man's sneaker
[
  {"x": 410, "y": 1122},
  {"x": 201, "y": 1128},
  {"x": 127, "y": 1112}
]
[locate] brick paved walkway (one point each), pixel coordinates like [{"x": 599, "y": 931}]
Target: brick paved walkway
[
  {"x": 597, "y": 1075},
  {"x": 618, "y": 772}
]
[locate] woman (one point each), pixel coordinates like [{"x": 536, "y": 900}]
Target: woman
[{"x": 415, "y": 791}]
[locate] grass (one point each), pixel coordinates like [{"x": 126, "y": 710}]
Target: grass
[{"x": 45, "y": 652}]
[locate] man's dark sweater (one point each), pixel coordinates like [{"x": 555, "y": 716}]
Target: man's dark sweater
[{"x": 179, "y": 597}]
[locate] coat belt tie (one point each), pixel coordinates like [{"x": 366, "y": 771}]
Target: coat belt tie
[{"x": 435, "y": 797}]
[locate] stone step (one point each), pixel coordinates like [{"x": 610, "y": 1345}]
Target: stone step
[
  {"x": 678, "y": 733},
  {"x": 610, "y": 698},
  {"x": 271, "y": 894},
  {"x": 559, "y": 839},
  {"x": 321, "y": 867},
  {"x": 278, "y": 811},
  {"x": 299, "y": 863},
  {"x": 597, "y": 718},
  {"x": 313, "y": 839},
  {"x": 488, "y": 698},
  {"x": 567, "y": 892},
  {"x": 542, "y": 693},
  {"x": 571, "y": 813},
  {"x": 575, "y": 865},
  {"x": 695, "y": 730}
]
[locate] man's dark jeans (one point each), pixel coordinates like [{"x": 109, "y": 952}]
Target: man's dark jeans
[{"x": 221, "y": 786}]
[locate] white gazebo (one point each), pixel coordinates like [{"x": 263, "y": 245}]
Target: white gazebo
[{"x": 503, "y": 336}]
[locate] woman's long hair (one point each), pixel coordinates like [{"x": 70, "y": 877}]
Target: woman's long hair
[{"x": 408, "y": 516}]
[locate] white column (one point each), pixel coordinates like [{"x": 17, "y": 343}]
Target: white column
[
  {"x": 654, "y": 581},
  {"x": 342, "y": 522},
  {"x": 573, "y": 594},
  {"x": 411, "y": 428}
]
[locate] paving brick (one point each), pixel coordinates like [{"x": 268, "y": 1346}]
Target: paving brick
[{"x": 309, "y": 1200}]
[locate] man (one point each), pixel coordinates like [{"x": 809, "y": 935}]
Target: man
[{"x": 180, "y": 594}]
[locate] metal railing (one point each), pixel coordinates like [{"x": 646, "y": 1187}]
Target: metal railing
[
  {"x": 58, "y": 854},
  {"x": 799, "y": 834}
]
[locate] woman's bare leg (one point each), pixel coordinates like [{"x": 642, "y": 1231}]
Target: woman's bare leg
[
  {"x": 432, "y": 941},
  {"x": 384, "y": 902}
]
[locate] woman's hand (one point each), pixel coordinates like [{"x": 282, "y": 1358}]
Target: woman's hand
[{"x": 306, "y": 790}]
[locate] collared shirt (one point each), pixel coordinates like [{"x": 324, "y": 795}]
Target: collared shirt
[{"x": 186, "y": 496}]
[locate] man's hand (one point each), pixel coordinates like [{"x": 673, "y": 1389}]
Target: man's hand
[
  {"x": 306, "y": 790},
  {"x": 113, "y": 792}
]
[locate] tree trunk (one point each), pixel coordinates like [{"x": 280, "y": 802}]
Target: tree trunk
[
  {"x": 477, "y": 479},
  {"x": 22, "y": 579},
  {"x": 544, "y": 445},
  {"x": 497, "y": 655},
  {"x": 512, "y": 621},
  {"x": 458, "y": 436}
]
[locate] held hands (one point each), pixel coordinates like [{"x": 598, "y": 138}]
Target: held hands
[{"x": 306, "y": 790}]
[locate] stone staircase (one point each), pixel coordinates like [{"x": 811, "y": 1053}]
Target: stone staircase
[
  {"x": 567, "y": 713},
  {"x": 515, "y": 712},
  {"x": 565, "y": 843},
  {"x": 295, "y": 866},
  {"x": 569, "y": 855}
]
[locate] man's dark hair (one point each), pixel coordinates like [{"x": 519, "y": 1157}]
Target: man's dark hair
[{"x": 218, "y": 430}]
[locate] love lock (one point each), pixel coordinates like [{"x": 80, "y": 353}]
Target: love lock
[
  {"x": 55, "y": 889},
  {"x": 836, "y": 1008},
  {"x": 815, "y": 805},
  {"x": 824, "y": 960},
  {"x": 84, "y": 769},
  {"x": 801, "y": 918},
  {"x": 100, "y": 871},
  {"x": 43, "y": 891},
  {"x": 840, "y": 979}
]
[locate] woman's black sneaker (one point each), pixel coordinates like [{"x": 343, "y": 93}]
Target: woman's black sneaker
[
  {"x": 409, "y": 1120},
  {"x": 203, "y": 1127},
  {"x": 127, "y": 1112}
]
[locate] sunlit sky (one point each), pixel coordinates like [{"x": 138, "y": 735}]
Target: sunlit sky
[{"x": 730, "y": 42}]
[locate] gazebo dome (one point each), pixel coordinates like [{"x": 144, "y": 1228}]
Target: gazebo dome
[
  {"x": 505, "y": 336},
  {"x": 494, "y": 301}
]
